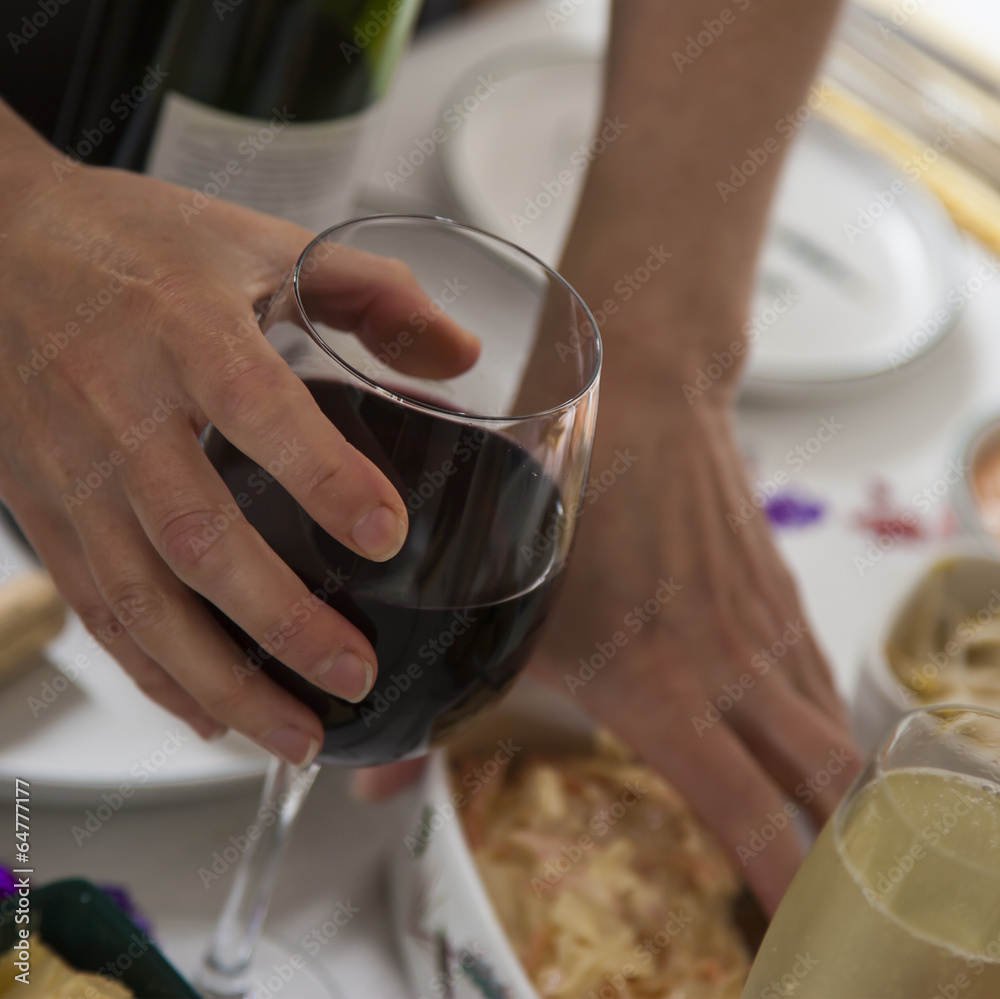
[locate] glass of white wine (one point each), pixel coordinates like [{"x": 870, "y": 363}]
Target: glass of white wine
[{"x": 900, "y": 895}]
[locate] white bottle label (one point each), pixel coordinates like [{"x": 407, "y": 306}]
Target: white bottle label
[{"x": 305, "y": 172}]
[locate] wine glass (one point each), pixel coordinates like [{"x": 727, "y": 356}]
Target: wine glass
[
  {"x": 900, "y": 896},
  {"x": 491, "y": 464}
]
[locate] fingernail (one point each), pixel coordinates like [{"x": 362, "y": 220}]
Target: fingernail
[
  {"x": 379, "y": 533},
  {"x": 346, "y": 675},
  {"x": 208, "y": 728},
  {"x": 292, "y": 745}
]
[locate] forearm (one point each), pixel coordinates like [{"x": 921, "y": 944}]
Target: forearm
[{"x": 690, "y": 119}]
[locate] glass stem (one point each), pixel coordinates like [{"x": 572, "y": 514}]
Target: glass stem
[{"x": 236, "y": 933}]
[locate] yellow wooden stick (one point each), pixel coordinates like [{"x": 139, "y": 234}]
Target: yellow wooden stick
[
  {"x": 973, "y": 203},
  {"x": 31, "y": 614}
]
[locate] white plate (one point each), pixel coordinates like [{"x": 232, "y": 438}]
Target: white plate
[
  {"x": 75, "y": 741},
  {"x": 862, "y": 303}
]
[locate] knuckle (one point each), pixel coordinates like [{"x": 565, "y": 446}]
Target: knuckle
[
  {"x": 225, "y": 700},
  {"x": 188, "y": 537},
  {"x": 285, "y": 629},
  {"x": 247, "y": 385},
  {"x": 325, "y": 478},
  {"x": 136, "y": 603},
  {"x": 98, "y": 619},
  {"x": 167, "y": 297},
  {"x": 172, "y": 286}
]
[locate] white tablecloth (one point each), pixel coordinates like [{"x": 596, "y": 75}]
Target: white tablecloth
[{"x": 901, "y": 431}]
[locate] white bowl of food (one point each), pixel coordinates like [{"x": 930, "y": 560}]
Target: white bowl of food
[
  {"x": 941, "y": 645},
  {"x": 540, "y": 861}
]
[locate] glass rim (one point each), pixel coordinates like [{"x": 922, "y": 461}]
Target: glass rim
[
  {"x": 891, "y": 737},
  {"x": 875, "y": 765},
  {"x": 421, "y": 404}
]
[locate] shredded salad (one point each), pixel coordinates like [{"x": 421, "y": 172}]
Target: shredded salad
[{"x": 604, "y": 880}]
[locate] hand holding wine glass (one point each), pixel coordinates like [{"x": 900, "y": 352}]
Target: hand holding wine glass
[{"x": 125, "y": 384}]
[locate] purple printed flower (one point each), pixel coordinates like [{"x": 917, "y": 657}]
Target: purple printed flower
[{"x": 791, "y": 510}]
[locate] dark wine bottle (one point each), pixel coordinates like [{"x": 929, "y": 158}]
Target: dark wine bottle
[{"x": 267, "y": 103}]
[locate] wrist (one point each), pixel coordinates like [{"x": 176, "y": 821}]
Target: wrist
[{"x": 672, "y": 368}]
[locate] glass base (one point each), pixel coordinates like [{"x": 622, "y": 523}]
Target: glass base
[{"x": 275, "y": 970}]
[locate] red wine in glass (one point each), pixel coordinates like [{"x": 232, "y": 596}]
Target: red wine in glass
[{"x": 454, "y": 614}]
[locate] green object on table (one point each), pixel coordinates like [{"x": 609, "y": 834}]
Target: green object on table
[{"x": 91, "y": 933}]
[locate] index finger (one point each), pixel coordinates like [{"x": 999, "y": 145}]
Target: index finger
[
  {"x": 265, "y": 411},
  {"x": 378, "y": 297}
]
